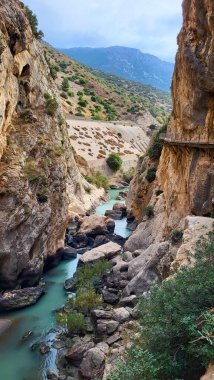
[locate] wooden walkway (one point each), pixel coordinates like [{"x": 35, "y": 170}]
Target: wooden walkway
[{"x": 176, "y": 139}]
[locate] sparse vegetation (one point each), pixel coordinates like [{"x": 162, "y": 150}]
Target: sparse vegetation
[
  {"x": 98, "y": 180},
  {"x": 65, "y": 84},
  {"x": 176, "y": 336},
  {"x": 176, "y": 237},
  {"x": 73, "y": 322},
  {"x": 51, "y": 104},
  {"x": 151, "y": 174},
  {"x": 148, "y": 211},
  {"x": 156, "y": 145}
]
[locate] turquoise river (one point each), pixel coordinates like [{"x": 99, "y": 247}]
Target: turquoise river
[{"x": 17, "y": 360}]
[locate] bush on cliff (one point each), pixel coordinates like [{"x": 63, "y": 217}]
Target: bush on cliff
[
  {"x": 33, "y": 23},
  {"x": 114, "y": 161},
  {"x": 151, "y": 175},
  {"x": 51, "y": 104},
  {"x": 156, "y": 145},
  {"x": 176, "y": 339}
]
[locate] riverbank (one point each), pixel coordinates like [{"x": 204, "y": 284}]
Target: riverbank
[{"x": 40, "y": 318}]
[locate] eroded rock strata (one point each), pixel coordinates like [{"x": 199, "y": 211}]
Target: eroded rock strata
[{"x": 39, "y": 180}]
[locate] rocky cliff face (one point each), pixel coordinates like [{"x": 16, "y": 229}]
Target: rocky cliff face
[
  {"x": 186, "y": 168},
  {"x": 39, "y": 179}
]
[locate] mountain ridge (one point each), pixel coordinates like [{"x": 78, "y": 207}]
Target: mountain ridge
[{"x": 129, "y": 63}]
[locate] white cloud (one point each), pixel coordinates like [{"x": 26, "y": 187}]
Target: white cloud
[{"x": 150, "y": 25}]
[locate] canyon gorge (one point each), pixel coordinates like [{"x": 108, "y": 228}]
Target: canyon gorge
[{"x": 53, "y": 207}]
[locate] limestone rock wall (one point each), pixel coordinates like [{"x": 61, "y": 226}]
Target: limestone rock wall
[
  {"x": 38, "y": 175},
  {"x": 186, "y": 172}
]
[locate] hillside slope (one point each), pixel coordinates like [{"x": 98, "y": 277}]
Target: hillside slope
[
  {"x": 92, "y": 94},
  {"x": 127, "y": 63}
]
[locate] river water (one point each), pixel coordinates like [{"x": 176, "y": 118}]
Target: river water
[{"x": 17, "y": 361}]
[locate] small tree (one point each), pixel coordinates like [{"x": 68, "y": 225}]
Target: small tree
[
  {"x": 33, "y": 23},
  {"x": 51, "y": 104},
  {"x": 65, "y": 84},
  {"x": 114, "y": 161}
]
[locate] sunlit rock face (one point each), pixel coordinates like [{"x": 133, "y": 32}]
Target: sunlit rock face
[
  {"x": 186, "y": 168},
  {"x": 186, "y": 173},
  {"x": 38, "y": 176}
]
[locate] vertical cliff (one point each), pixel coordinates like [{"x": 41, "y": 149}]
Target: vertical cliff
[
  {"x": 186, "y": 172},
  {"x": 38, "y": 175},
  {"x": 186, "y": 168}
]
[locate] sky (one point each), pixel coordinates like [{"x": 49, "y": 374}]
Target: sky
[{"x": 149, "y": 25}]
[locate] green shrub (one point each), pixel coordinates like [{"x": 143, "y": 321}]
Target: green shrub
[
  {"x": 96, "y": 117},
  {"x": 151, "y": 175},
  {"x": 65, "y": 84},
  {"x": 51, "y": 104},
  {"x": 86, "y": 300},
  {"x": 177, "y": 319},
  {"x": 114, "y": 161},
  {"x": 148, "y": 211},
  {"x": 74, "y": 323},
  {"x": 86, "y": 275},
  {"x": 98, "y": 180},
  {"x": 89, "y": 179},
  {"x": 33, "y": 23},
  {"x": 82, "y": 82},
  {"x": 82, "y": 102},
  {"x": 176, "y": 237},
  {"x": 63, "y": 66},
  {"x": 157, "y": 145}
]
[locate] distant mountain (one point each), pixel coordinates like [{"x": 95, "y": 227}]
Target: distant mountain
[{"x": 127, "y": 63}]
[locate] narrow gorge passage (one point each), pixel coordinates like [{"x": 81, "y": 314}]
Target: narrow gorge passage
[{"x": 40, "y": 319}]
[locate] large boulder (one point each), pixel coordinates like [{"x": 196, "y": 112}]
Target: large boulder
[
  {"x": 114, "y": 214},
  {"x": 120, "y": 207},
  {"x": 93, "y": 364},
  {"x": 94, "y": 225},
  {"x": 18, "y": 299},
  {"x": 111, "y": 297},
  {"x": 121, "y": 315},
  {"x": 147, "y": 258},
  {"x": 143, "y": 269},
  {"x": 69, "y": 253},
  {"x": 108, "y": 251},
  {"x": 76, "y": 353},
  {"x": 106, "y": 327}
]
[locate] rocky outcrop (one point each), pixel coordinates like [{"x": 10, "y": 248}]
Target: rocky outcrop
[
  {"x": 17, "y": 299},
  {"x": 107, "y": 251},
  {"x": 96, "y": 225},
  {"x": 39, "y": 180}
]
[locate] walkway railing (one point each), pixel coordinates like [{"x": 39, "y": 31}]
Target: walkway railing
[{"x": 199, "y": 140}]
